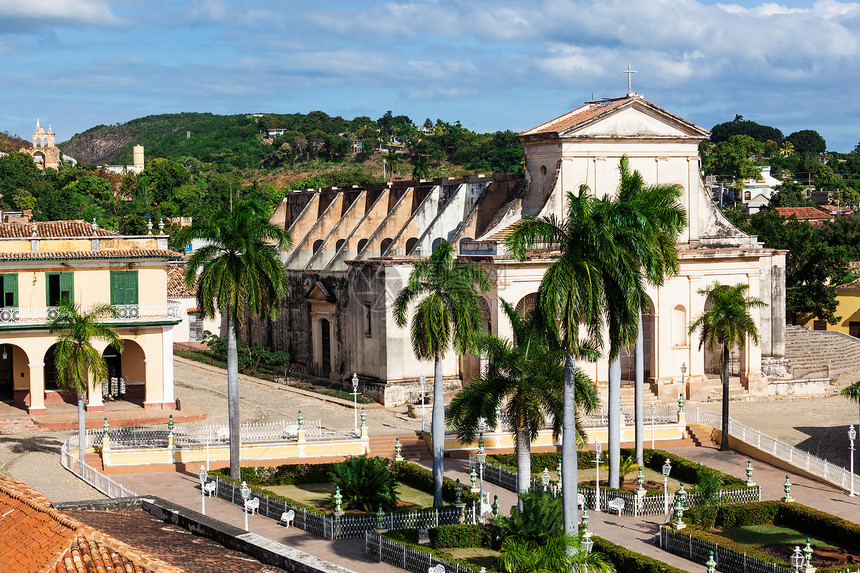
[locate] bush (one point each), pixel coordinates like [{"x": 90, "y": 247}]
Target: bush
[
  {"x": 465, "y": 536},
  {"x": 422, "y": 478},
  {"x": 838, "y": 530},
  {"x": 401, "y": 537},
  {"x": 541, "y": 517},
  {"x": 365, "y": 483},
  {"x": 626, "y": 560},
  {"x": 283, "y": 475}
]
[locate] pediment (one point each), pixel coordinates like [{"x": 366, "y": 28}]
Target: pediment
[
  {"x": 319, "y": 293},
  {"x": 636, "y": 119}
]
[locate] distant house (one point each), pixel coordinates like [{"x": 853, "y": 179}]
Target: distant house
[
  {"x": 182, "y": 222},
  {"x": 274, "y": 132},
  {"x": 357, "y": 146},
  {"x": 847, "y": 308},
  {"x": 756, "y": 193}
]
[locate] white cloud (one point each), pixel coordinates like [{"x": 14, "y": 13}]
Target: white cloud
[{"x": 96, "y": 12}]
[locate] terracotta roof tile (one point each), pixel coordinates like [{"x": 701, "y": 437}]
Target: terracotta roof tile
[
  {"x": 176, "y": 287},
  {"x": 803, "y": 213},
  {"x": 576, "y": 116},
  {"x": 73, "y": 228},
  {"x": 94, "y": 255}
]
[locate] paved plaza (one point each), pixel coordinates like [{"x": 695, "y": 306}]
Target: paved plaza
[{"x": 818, "y": 424}]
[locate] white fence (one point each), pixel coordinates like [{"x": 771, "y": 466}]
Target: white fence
[
  {"x": 795, "y": 457},
  {"x": 346, "y": 526},
  {"x": 405, "y": 556},
  {"x": 633, "y": 504},
  {"x": 663, "y": 414},
  {"x": 70, "y": 461},
  {"x": 698, "y": 550}
]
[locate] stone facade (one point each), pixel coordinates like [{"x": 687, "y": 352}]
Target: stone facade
[
  {"x": 354, "y": 250},
  {"x": 44, "y": 152}
]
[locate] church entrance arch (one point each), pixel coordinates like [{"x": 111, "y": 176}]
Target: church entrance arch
[{"x": 325, "y": 329}]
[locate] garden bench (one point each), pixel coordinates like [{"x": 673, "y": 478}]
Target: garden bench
[
  {"x": 253, "y": 505},
  {"x": 580, "y": 500},
  {"x": 486, "y": 510},
  {"x": 209, "y": 488},
  {"x": 287, "y": 518},
  {"x": 616, "y": 504},
  {"x": 291, "y": 431},
  {"x": 222, "y": 434},
  {"x": 436, "y": 569}
]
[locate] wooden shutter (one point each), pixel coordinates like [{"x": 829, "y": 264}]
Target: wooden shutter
[
  {"x": 10, "y": 290},
  {"x": 123, "y": 287}
]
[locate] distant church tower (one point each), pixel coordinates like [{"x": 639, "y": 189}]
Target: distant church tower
[{"x": 45, "y": 153}]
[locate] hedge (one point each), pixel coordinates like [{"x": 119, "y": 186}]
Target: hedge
[
  {"x": 683, "y": 469},
  {"x": 468, "y": 535},
  {"x": 422, "y": 478},
  {"x": 626, "y": 560}
]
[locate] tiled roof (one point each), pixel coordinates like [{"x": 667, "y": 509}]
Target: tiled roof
[
  {"x": 37, "y": 537},
  {"x": 855, "y": 284},
  {"x": 803, "y": 213},
  {"x": 74, "y": 228},
  {"x": 94, "y": 255},
  {"x": 502, "y": 235},
  {"x": 576, "y": 116},
  {"x": 176, "y": 287}
]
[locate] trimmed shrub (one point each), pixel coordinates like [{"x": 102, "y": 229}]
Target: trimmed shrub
[
  {"x": 421, "y": 478},
  {"x": 465, "y": 536},
  {"x": 365, "y": 483},
  {"x": 626, "y": 560},
  {"x": 282, "y": 475}
]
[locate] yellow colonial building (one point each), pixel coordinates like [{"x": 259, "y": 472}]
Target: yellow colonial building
[{"x": 43, "y": 263}]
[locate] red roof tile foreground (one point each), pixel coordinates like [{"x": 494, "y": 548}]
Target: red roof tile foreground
[
  {"x": 37, "y": 537},
  {"x": 176, "y": 287},
  {"x": 73, "y": 228},
  {"x": 91, "y": 255}
]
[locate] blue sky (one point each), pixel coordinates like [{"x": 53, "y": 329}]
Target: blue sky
[{"x": 493, "y": 64}]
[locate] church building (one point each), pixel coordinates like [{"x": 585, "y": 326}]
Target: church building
[
  {"x": 354, "y": 248},
  {"x": 44, "y": 152}
]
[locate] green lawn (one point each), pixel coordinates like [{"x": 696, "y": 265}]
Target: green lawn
[
  {"x": 586, "y": 477},
  {"x": 768, "y": 534},
  {"x": 478, "y": 556},
  {"x": 318, "y": 495}
]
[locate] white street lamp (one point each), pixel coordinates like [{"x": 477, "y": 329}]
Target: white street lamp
[
  {"x": 544, "y": 479},
  {"x": 653, "y": 409},
  {"x": 481, "y": 456},
  {"x": 852, "y": 433},
  {"x": 246, "y": 495},
  {"x": 683, "y": 371},
  {"x": 797, "y": 558},
  {"x": 667, "y": 467},
  {"x": 422, "y": 380},
  {"x": 596, "y": 475},
  {"x": 355, "y": 402},
  {"x": 203, "y": 477}
]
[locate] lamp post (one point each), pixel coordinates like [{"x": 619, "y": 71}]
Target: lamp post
[
  {"x": 596, "y": 475},
  {"x": 797, "y": 559},
  {"x": 852, "y": 433},
  {"x": 422, "y": 380},
  {"x": 481, "y": 456},
  {"x": 653, "y": 409},
  {"x": 246, "y": 495},
  {"x": 683, "y": 372},
  {"x": 667, "y": 467},
  {"x": 203, "y": 477},
  {"x": 544, "y": 479},
  {"x": 355, "y": 402}
]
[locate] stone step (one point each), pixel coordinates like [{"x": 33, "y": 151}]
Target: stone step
[{"x": 700, "y": 435}]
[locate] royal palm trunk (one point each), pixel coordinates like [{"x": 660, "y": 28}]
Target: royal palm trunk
[
  {"x": 233, "y": 396},
  {"x": 437, "y": 431},
  {"x": 724, "y": 441},
  {"x": 524, "y": 463},
  {"x": 568, "y": 447},
  {"x": 614, "y": 439},
  {"x": 82, "y": 427},
  {"x": 639, "y": 398}
]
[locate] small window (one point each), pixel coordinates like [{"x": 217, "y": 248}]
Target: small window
[
  {"x": 543, "y": 170},
  {"x": 9, "y": 290},
  {"x": 60, "y": 286},
  {"x": 854, "y": 329},
  {"x": 318, "y": 245},
  {"x": 123, "y": 287},
  {"x": 819, "y": 325},
  {"x": 368, "y": 324}
]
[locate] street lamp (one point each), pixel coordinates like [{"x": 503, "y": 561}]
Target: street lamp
[
  {"x": 355, "y": 402},
  {"x": 667, "y": 467},
  {"x": 596, "y": 475},
  {"x": 852, "y": 433},
  {"x": 246, "y": 495},
  {"x": 653, "y": 409},
  {"x": 481, "y": 456},
  {"x": 544, "y": 479},
  {"x": 797, "y": 558},
  {"x": 203, "y": 477},
  {"x": 422, "y": 380},
  {"x": 683, "y": 371}
]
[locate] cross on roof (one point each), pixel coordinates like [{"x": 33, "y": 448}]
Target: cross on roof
[{"x": 629, "y": 72}]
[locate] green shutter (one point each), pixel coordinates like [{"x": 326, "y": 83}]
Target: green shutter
[
  {"x": 10, "y": 290},
  {"x": 67, "y": 286},
  {"x": 123, "y": 287}
]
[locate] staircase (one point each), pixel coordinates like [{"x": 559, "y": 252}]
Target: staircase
[
  {"x": 412, "y": 446},
  {"x": 17, "y": 425},
  {"x": 628, "y": 396},
  {"x": 715, "y": 392},
  {"x": 700, "y": 435},
  {"x": 823, "y": 354}
]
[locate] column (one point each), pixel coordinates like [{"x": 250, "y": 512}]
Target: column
[
  {"x": 94, "y": 396},
  {"x": 167, "y": 362},
  {"x": 37, "y": 388}
]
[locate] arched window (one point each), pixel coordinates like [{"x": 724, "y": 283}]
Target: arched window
[
  {"x": 361, "y": 244},
  {"x": 410, "y": 244},
  {"x": 339, "y": 244},
  {"x": 679, "y": 326},
  {"x": 526, "y": 304},
  {"x": 436, "y": 242},
  {"x": 384, "y": 245}
]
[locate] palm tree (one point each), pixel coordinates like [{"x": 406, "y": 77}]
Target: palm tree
[
  {"x": 559, "y": 553},
  {"x": 448, "y": 315},
  {"x": 75, "y": 358},
  {"x": 649, "y": 222},
  {"x": 574, "y": 292},
  {"x": 786, "y": 149},
  {"x": 240, "y": 271},
  {"x": 727, "y": 323},
  {"x": 852, "y": 392},
  {"x": 524, "y": 376}
]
